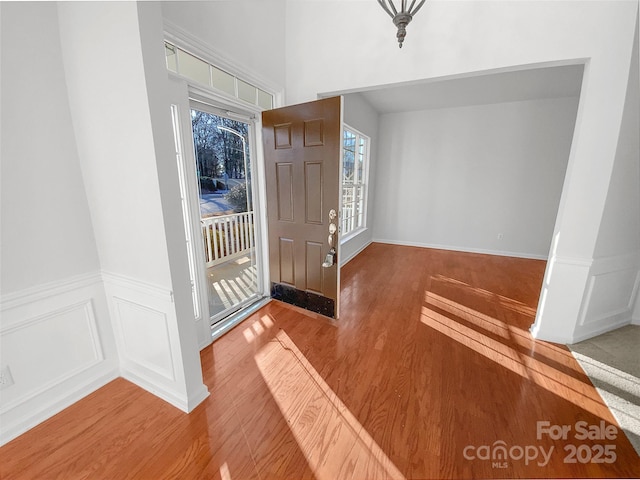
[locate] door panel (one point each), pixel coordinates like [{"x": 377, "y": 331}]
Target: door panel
[{"x": 302, "y": 148}]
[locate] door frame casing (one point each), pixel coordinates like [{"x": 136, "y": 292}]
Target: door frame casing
[
  {"x": 247, "y": 113},
  {"x": 179, "y": 97}
]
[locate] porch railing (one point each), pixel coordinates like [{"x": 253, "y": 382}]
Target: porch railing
[{"x": 227, "y": 237}]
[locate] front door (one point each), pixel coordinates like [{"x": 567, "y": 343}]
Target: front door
[{"x": 302, "y": 148}]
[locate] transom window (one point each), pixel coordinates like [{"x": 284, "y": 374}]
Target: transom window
[
  {"x": 184, "y": 63},
  {"x": 354, "y": 177}
]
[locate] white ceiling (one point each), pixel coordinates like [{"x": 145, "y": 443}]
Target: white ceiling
[{"x": 539, "y": 83}]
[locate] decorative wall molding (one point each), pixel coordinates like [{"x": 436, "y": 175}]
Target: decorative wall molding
[
  {"x": 140, "y": 326},
  {"x": 51, "y": 289},
  {"x": 142, "y": 287},
  {"x": 610, "y": 295},
  {"x": 57, "y": 340},
  {"x": 146, "y": 333},
  {"x": 183, "y": 38},
  {"x": 29, "y": 326},
  {"x": 578, "y": 262},
  {"x": 64, "y": 340}
]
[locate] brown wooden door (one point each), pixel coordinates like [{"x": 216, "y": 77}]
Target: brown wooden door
[{"x": 302, "y": 146}]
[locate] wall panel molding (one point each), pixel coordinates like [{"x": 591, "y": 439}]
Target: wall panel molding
[
  {"x": 57, "y": 341},
  {"x": 79, "y": 319},
  {"x": 40, "y": 292},
  {"x": 610, "y": 296},
  {"x": 146, "y": 332}
]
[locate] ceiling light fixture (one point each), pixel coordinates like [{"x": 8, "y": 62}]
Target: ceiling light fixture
[{"x": 401, "y": 18}]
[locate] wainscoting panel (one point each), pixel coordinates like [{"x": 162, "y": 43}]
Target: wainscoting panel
[
  {"x": 145, "y": 337},
  {"x": 148, "y": 340},
  {"x": 56, "y": 340},
  {"x": 71, "y": 330},
  {"x": 611, "y": 295}
]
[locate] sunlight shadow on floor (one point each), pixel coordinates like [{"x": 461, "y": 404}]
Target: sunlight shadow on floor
[
  {"x": 502, "y": 329},
  {"x": 334, "y": 443},
  {"x": 612, "y": 361},
  {"x": 527, "y": 367},
  {"x": 503, "y": 301}
]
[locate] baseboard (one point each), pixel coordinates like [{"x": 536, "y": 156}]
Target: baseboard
[
  {"x": 151, "y": 351},
  {"x": 58, "y": 343},
  {"x": 65, "y": 339},
  {"x": 355, "y": 254},
  {"x": 530, "y": 256},
  {"x": 534, "y": 329},
  {"x": 14, "y": 427},
  {"x": 186, "y": 403},
  {"x": 600, "y": 330}
]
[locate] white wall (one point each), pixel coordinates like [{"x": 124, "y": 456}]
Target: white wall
[
  {"x": 248, "y": 35},
  {"x": 459, "y": 38},
  {"x": 108, "y": 98},
  {"x": 47, "y": 233},
  {"x": 360, "y": 115},
  {"x": 456, "y": 178},
  {"x": 113, "y": 57},
  {"x": 55, "y": 333}
]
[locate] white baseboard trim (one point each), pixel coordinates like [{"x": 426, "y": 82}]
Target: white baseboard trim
[
  {"x": 530, "y": 256},
  {"x": 67, "y": 323},
  {"x": 184, "y": 403},
  {"x": 534, "y": 329},
  {"x": 14, "y": 428},
  {"x": 355, "y": 254},
  {"x": 147, "y": 334},
  {"x": 78, "y": 323},
  {"x": 600, "y": 330}
]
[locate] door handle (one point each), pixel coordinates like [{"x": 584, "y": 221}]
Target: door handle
[
  {"x": 332, "y": 256},
  {"x": 330, "y": 259}
]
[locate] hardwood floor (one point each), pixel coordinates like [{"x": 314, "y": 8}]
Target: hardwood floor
[{"x": 430, "y": 367}]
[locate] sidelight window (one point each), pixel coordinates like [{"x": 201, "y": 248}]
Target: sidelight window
[{"x": 354, "y": 177}]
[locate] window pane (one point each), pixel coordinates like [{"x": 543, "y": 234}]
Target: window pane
[
  {"x": 223, "y": 81},
  {"x": 354, "y": 163},
  {"x": 265, "y": 100},
  {"x": 170, "y": 53},
  {"x": 348, "y": 160},
  {"x": 190, "y": 66},
  {"x": 360, "y": 165},
  {"x": 246, "y": 92},
  {"x": 193, "y": 67}
]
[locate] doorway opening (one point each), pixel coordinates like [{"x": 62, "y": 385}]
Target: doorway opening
[{"x": 223, "y": 162}]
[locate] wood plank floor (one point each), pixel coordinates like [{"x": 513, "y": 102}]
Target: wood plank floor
[{"x": 430, "y": 368}]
